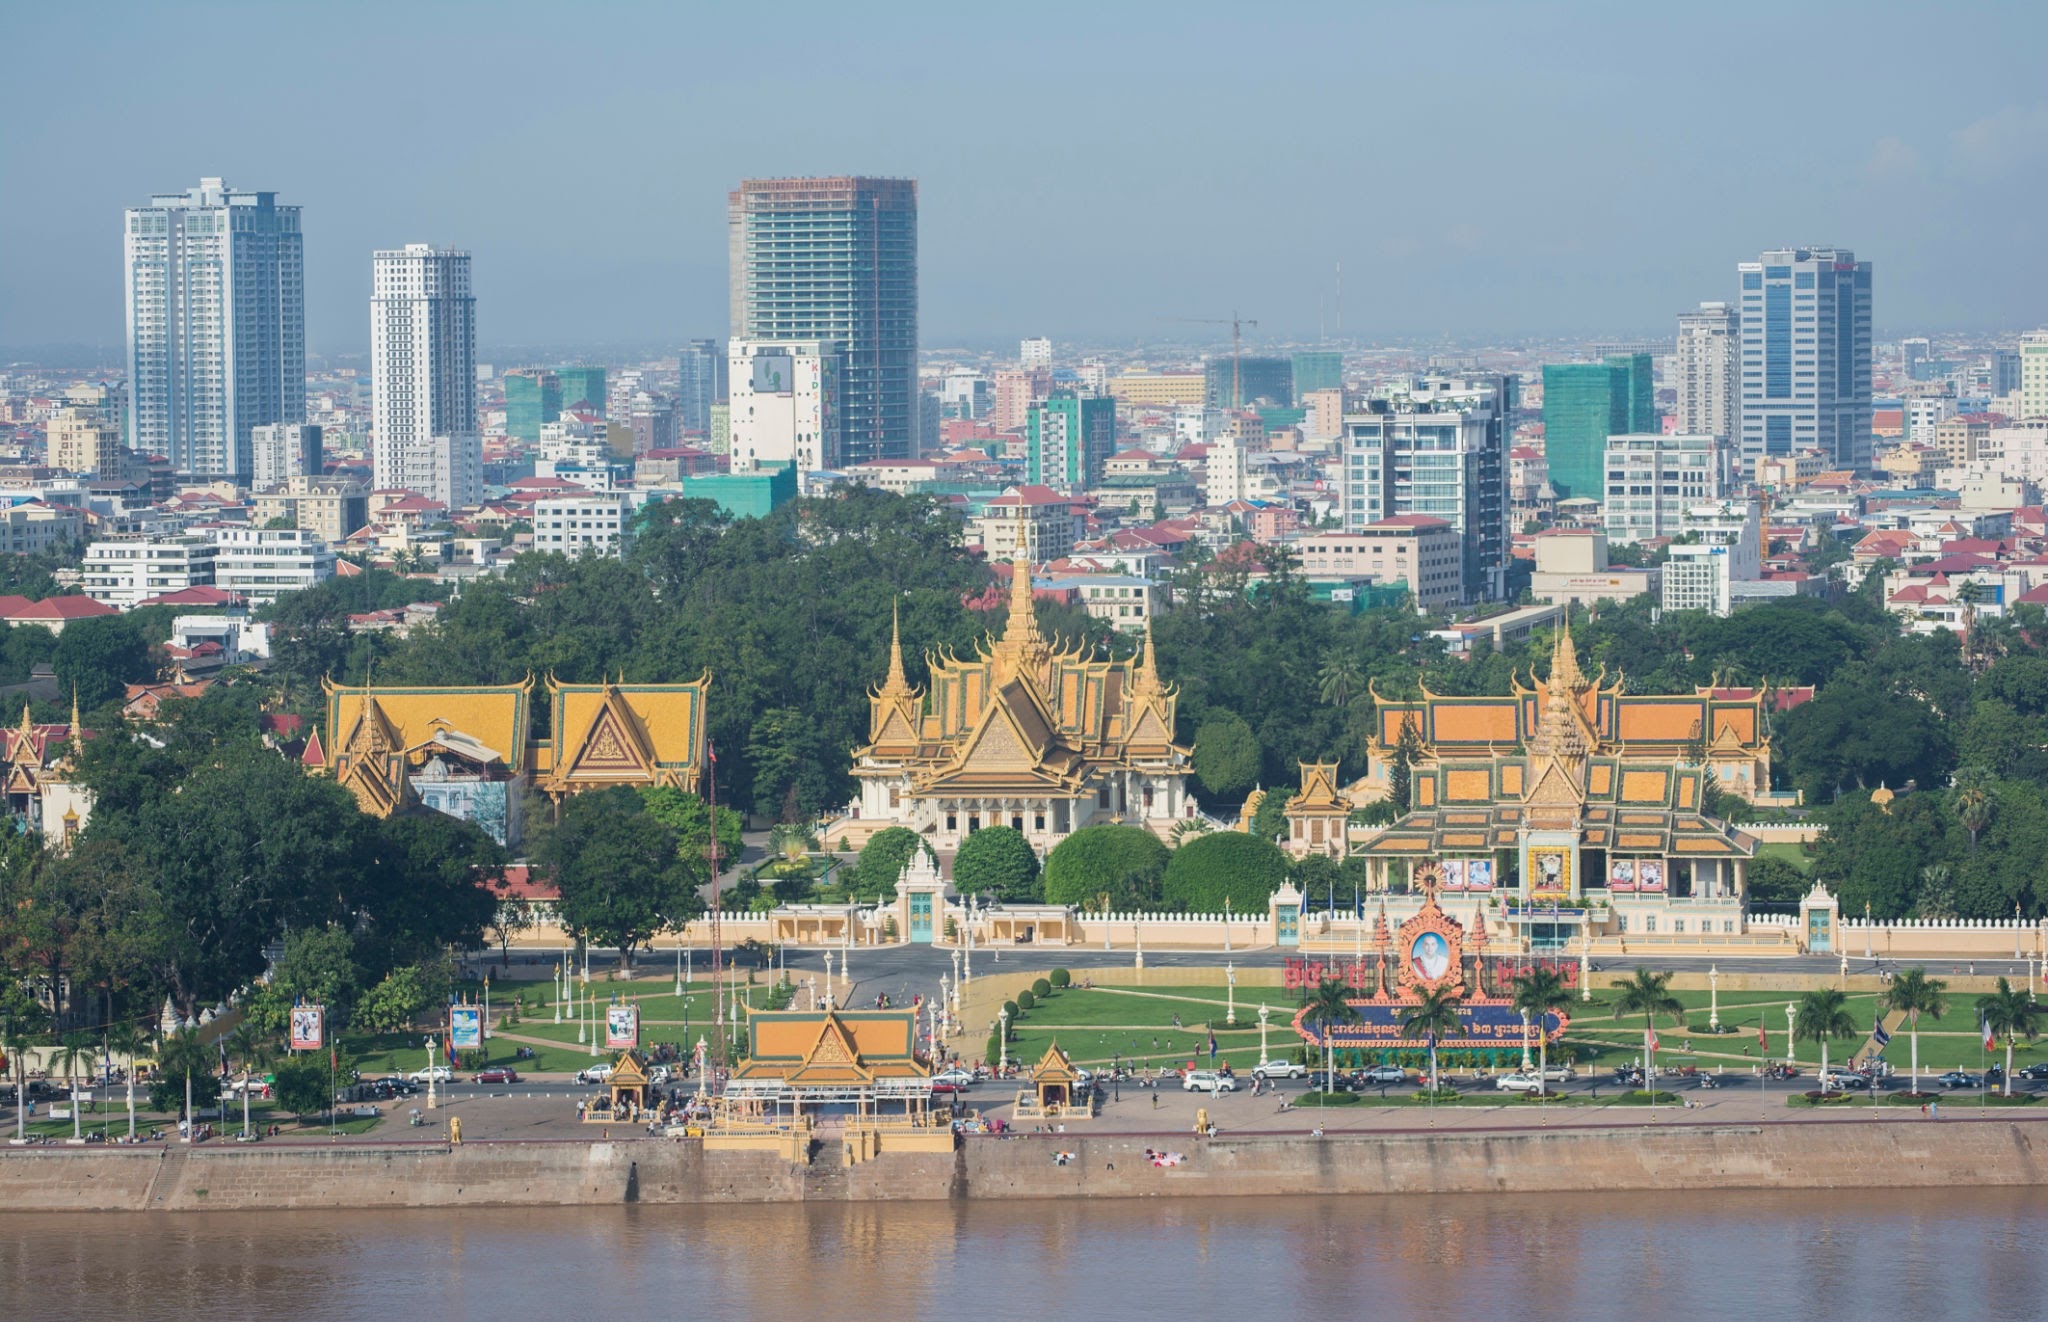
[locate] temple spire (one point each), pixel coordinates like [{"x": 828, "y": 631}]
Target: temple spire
[
  {"x": 897, "y": 682},
  {"x": 1148, "y": 665},
  {"x": 77, "y": 729},
  {"x": 1022, "y": 648},
  {"x": 1564, "y": 661}
]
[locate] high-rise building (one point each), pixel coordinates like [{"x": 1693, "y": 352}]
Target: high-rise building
[
  {"x": 1035, "y": 352},
  {"x": 2034, "y": 374},
  {"x": 836, "y": 260},
  {"x": 1437, "y": 446},
  {"x": 1017, "y": 390},
  {"x": 1806, "y": 355},
  {"x": 582, "y": 389},
  {"x": 1069, "y": 438},
  {"x": 651, "y": 419},
  {"x": 80, "y": 441},
  {"x": 2005, "y": 371},
  {"x": 1252, "y": 379},
  {"x": 281, "y": 451},
  {"x": 423, "y": 375},
  {"x": 783, "y": 406},
  {"x": 1317, "y": 369},
  {"x": 1705, "y": 370},
  {"x": 701, "y": 382},
  {"x": 1652, "y": 479},
  {"x": 1583, "y": 405},
  {"x": 533, "y": 398},
  {"x": 216, "y": 324}
]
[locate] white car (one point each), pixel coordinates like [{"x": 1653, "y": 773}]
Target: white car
[
  {"x": 1556, "y": 1073},
  {"x": 1208, "y": 1081},
  {"x": 435, "y": 1074},
  {"x": 954, "y": 1078},
  {"x": 595, "y": 1074},
  {"x": 1279, "y": 1069},
  {"x": 1519, "y": 1082}
]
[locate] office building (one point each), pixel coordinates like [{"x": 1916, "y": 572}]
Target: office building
[
  {"x": 1707, "y": 382},
  {"x": 1415, "y": 551},
  {"x": 216, "y": 325},
  {"x": 1223, "y": 472},
  {"x": 1701, "y": 574},
  {"x": 1652, "y": 479},
  {"x": 783, "y": 406},
  {"x": 1233, "y": 383},
  {"x": 125, "y": 573},
  {"x": 533, "y": 398},
  {"x": 2004, "y": 376},
  {"x": 2034, "y": 374},
  {"x": 836, "y": 260},
  {"x": 280, "y": 451},
  {"x": 423, "y": 375},
  {"x": 652, "y": 421},
  {"x": 80, "y": 441},
  {"x": 1436, "y": 446},
  {"x": 1317, "y": 369},
  {"x": 1924, "y": 413},
  {"x": 1806, "y": 355},
  {"x": 582, "y": 389},
  {"x": 262, "y": 564},
  {"x": 701, "y": 381},
  {"x": 598, "y": 523},
  {"x": 1068, "y": 439},
  {"x": 1583, "y": 405},
  {"x": 1035, "y": 352}
]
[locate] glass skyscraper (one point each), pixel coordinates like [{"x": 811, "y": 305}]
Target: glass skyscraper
[
  {"x": 700, "y": 383},
  {"x": 836, "y": 259},
  {"x": 1806, "y": 356},
  {"x": 216, "y": 325},
  {"x": 1583, "y": 405}
]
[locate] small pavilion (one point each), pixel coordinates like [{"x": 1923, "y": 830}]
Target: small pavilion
[
  {"x": 628, "y": 1090},
  {"x": 1055, "y": 1078},
  {"x": 810, "y": 1059}
]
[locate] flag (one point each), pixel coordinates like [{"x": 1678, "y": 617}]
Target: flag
[
  {"x": 1650, "y": 1036},
  {"x": 711, "y": 750},
  {"x": 1212, "y": 1044},
  {"x": 1990, "y": 1040},
  {"x": 1878, "y": 1035},
  {"x": 1763, "y": 1039}
]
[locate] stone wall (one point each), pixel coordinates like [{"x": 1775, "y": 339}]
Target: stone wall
[{"x": 1901, "y": 1151}]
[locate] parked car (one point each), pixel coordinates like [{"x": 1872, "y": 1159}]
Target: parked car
[
  {"x": 956, "y": 1076},
  {"x": 1960, "y": 1079},
  {"x": 401, "y": 1085},
  {"x": 1519, "y": 1082},
  {"x": 434, "y": 1074},
  {"x": 1208, "y": 1081},
  {"x": 2038, "y": 1070},
  {"x": 1555, "y": 1073},
  {"x": 1378, "y": 1075},
  {"x": 595, "y": 1074},
  {"x": 498, "y": 1074},
  {"x": 1279, "y": 1069}
]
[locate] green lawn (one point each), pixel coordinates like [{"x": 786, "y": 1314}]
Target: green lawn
[{"x": 1795, "y": 854}]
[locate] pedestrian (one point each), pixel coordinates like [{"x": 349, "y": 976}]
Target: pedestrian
[{"x": 1155, "y": 1100}]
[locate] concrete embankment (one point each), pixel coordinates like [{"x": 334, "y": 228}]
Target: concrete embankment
[{"x": 1809, "y": 1155}]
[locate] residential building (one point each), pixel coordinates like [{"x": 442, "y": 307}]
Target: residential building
[
  {"x": 80, "y": 441},
  {"x": 423, "y": 375},
  {"x": 1232, "y": 382},
  {"x": 262, "y": 564},
  {"x": 533, "y": 397},
  {"x": 1436, "y": 446},
  {"x": 121, "y": 574},
  {"x": 1324, "y": 419},
  {"x": 2034, "y": 374},
  {"x": 1035, "y": 352},
  {"x": 1583, "y": 405},
  {"x": 1317, "y": 369},
  {"x": 1028, "y": 523},
  {"x": 1652, "y": 479},
  {"x": 1122, "y": 601},
  {"x": 784, "y": 405},
  {"x": 836, "y": 260},
  {"x": 1962, "y": 438},
  {"x": 31, "y": 527},
  {"x": 652, "y": 420},
  {"x": 1702, "y": 574},
  {"x": 1417, "y": 551},
  {"x": 1160, "y": 389},
  {"x": 1016, "y": 390},
  {"x": 1806, "y": 352},
  {"x": 216, "y": 324},
  {"x": 329, "y": 508},
  {"x": 1705, "y": 373},
  {"x": 1924, "y": 413},
  {"x": 702, "y": 381},
  {"x": 280, "y": 451},
  {"x": 599, "y": 523},
  {"x": 1225, "y": 476},
  {"x": 1069, "y": 438}
]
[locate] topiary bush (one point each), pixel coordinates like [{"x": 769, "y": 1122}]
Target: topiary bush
[
  {"x": 1011, "y": 1009},
  {"x": 1062, "y": 979},
  {"x": 1124, "y": 863},
  {"x": 1224, "y": 864},
  {"x": 1041, "y": 988},
  {"x": 1025, "y": 1000},
  {"x": 1328, "y": 1099},
  {"x": 992, "y": 1051}
]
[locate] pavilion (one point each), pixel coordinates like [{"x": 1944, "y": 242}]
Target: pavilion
[{"x": 806, "y": 1060}]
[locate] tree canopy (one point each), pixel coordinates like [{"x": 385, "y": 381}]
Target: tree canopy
[
  {"x": 1224, "y": 864},
  {"x": 1125, "y": 863},
  {"x": 997, "y": 860}
]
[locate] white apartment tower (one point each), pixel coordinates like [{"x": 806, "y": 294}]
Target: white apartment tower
[
  {"x": 1035, "y": 352},
  {"x": 423, "y": 375},
  {"x": 2034, "y": 374},
  {"x": 216, "y": 324},
  {"x": 1705, "y": 370}
]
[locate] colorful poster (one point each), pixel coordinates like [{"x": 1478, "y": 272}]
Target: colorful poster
[
  {"x": 1621, "y": 874},
  {"x": 1431, "y": 956},
  {"x": 308, "y": 1021},
  {"x": 1453, "y": 874},
  {"x": 622, "y": 1026},
  {"x": 1550, "y": 872},
  {"x": 1650, "y": 875},
  {"x": 465, "y": 1027},
  {"x": 1479, "y": 874}
]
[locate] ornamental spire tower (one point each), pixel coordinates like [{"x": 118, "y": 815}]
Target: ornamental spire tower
[{"x": 1023, "y": 648}]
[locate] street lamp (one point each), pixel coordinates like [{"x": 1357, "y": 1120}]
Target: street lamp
[
  {"x": 1525, "y": 1041},
  {"x": 1585, "y": 957},
  {"x": 484, "y": 1028},
  {"x": 1226, "y": 922},
  {"x": 1713, "y": 999},
  {"x": 679, "y": 965},
  {"x": 1003, "y": 1041},
  {"x": 2017, "y": 929},
  {"x": 576, "y": 1005},
  {"x": 1791, "y": 1043},
  {"x": 430, "y": 1073},
  {"x": 1866, "y": 929},
  {"x": 1264, "y": 1014},
  {"x": 1230, "y": 995}
]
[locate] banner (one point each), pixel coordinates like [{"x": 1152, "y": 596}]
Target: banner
[
  {"x": 465, "y": 1027},
  {"x": 308, "y": 1024},
  {"x": 1479, "y": 874},
  {"x": 622, "y": 1026},
  {"x": 1453, "y": 870}
]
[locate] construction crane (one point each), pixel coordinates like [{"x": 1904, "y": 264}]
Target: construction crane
[{"x": 1237, "y": 325}]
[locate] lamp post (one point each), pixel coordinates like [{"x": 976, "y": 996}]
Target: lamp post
[
  {"x": 956, "y": 966},
  {"x": 1265, "y": 1013},
  {"x": 679, "y": 965},
  {"x": 1003, "y": 1041},
  {"x": 596, "y": 1030},
  {"x": 430, "y": 1073},
  {"x": 2018, "y": 926},
  {"x": 1586, "y": 957},
  {"x": 1138, "y": 942},
  {"x": 1713, "y": 999},
  {"x": 576, "y": 1005},
  {"x": 1791, "y": 1043},
  {"x": 558, "y": 991},
  {"x": 735, "y": 1016},
  {"x": 1866, "y": 931},
  {"x": 1230, "y": 995},
  {"x": 484, "y": 1027},
  {"x": 1525, "y": 1041},
  {"x": 1226, "y": 923}
]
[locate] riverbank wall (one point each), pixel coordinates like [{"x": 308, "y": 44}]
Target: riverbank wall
[{"x": 1893, "y": 1153}]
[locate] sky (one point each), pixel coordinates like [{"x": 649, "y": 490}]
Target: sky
[{"x": 1086, "y": 171}]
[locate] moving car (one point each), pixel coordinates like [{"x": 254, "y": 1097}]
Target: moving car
[
  {"x": 1519, "y": 1082},
  {"x": 2038, "y": 1070},
  {"x": 1960, "y": 1079},
  {"x": 595, "y": 1074},
  {"x": 1382, "y": 1074},
  {"x": 435, "y": 1074},
  {"x": 956, "y": 1077},
  {"x": 1279, "y": 1069},
  {"x": 1840, "y": 1080},
  {"x": 1208, "y": 1081},
  {"x": 1555, "y": 1073},
  {"x": 498, "y": 1074}
]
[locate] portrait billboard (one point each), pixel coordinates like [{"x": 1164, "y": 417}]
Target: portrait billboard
[
  {"x": 622, "y": 1026},
  {"x": 1453, "y": 870},
  {"x": 774, "y": 374},
  {"x": 1479, "y": 874},
  {"x": 308, "y": 1023},
  {"x": 465, "y": 1027}
]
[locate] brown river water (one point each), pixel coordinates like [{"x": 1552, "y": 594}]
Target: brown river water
[{"x": 1850, "y": 1254}]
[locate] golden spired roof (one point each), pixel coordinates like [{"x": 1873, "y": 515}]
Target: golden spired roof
[
  {"x": 1023, "y": 650},
  {"x": 898, "y": 683}
]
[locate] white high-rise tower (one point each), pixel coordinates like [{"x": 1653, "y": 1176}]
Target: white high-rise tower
[
  {"x": 216, "y": 325},
  {"x": 1705, "y": 371},
  {"x": 423, "y": 375}
]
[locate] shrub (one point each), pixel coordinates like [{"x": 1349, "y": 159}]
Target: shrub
[
  {"x": 1639, "y": 1097},
  {"x": 1025, "y": 1000},
  {"x": 1328, "y": 1099},
  {"x": 1224, "y": 864},
  {"x": 1041, "y": 988},
  {"x": 1425, "y": 1096},
  {"x": 1011, "y": 1009},
  {"x": 1123, "y": 862},
  {"x": 1062, "y": 979},
  {"x": 992, "y": 1051}
]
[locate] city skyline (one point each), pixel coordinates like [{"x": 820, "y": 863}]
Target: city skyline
[{"x": 1112, "y": 214}]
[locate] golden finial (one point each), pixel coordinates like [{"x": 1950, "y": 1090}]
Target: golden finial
[
  {"x": 897, "y": 681},
  {"x": 77, "y": 728},
  {"x": 1148, "y": 665}
]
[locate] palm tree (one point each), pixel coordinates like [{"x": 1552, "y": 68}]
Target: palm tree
[
  {"x": 253, "y": 1051},
  {"x": 1973, "y": 811},
  {"x": 1431, "y": 1017},
  {"x": 1649, "y": 995},
  {"x": 1823, "y": 1016},
  {"x": 1338, "y": 681},
  {"x": 2011, "y": 1015},
  {"x": 14, "y": 1043},
  {"x": 1968, "y": 593},
  {"x": 74, "y": 1049},
  {"x": 1328, "y": 1005},
  {"x": 1537, "y": 993},
  {"x": 127, "y": 1039},
  {"x": 1913, "y": 994}
]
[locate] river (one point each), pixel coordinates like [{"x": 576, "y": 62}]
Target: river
[{"x": 1590, "y": 1256}]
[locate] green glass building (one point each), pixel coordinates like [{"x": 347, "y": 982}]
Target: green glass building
[
  {"x": 582, "y": 386},
  {"x": 532, "y": 396},
  {"x": 1070, "y": 438},
  {"x": 1583, "y": 405},
  {"x": 1270, "y": 379},
  {"x": 1317, "y": 369}
]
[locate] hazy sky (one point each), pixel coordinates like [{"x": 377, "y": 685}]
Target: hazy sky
[{"x": 1085, "y": 170}]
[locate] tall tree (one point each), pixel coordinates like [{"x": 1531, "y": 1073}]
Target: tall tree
[
  {"x": 1537, "y": 994},
  {"x": 1649, "y": 995},
  {"x": 1329, "y": 1005},
  {"x": 1433, "y": 1017},
  {"x": 1913, "y": 994},
  {"x": 997, "y": 860},
  {"x": 619, "y": 873},
  {"x": 2010, "y": 1014},
  {"x": 1823, "y": 1016}
]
